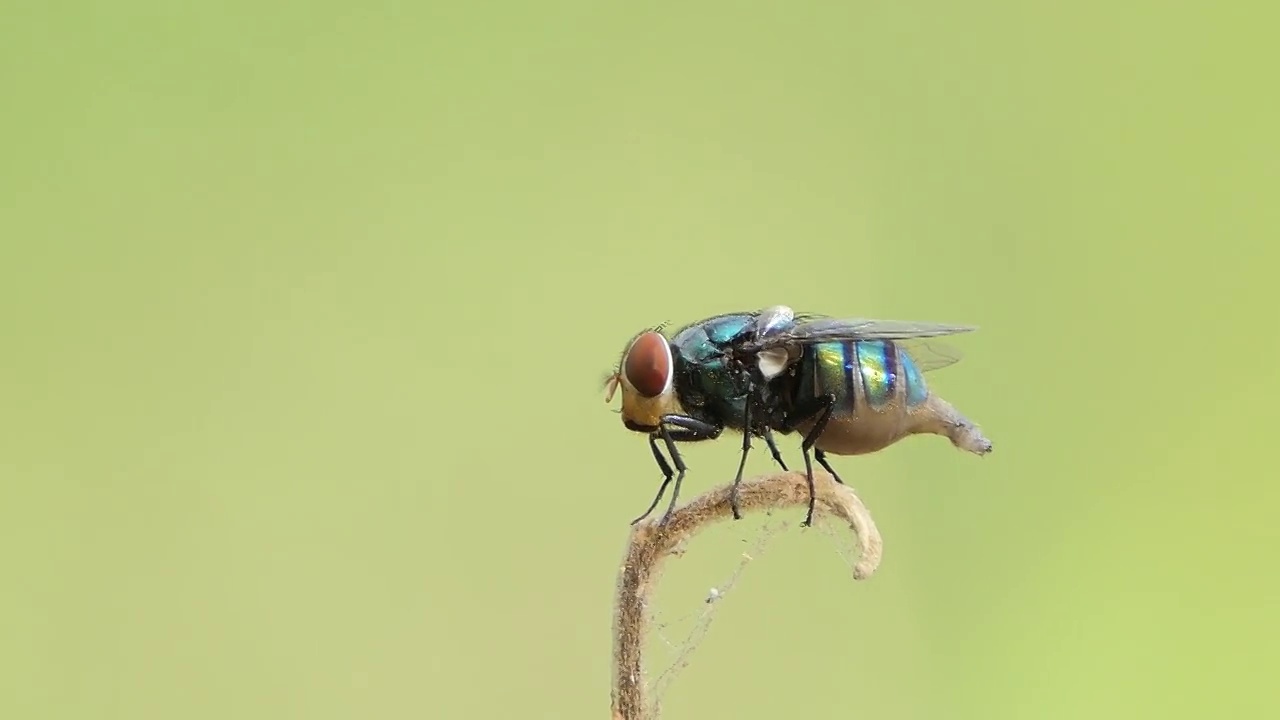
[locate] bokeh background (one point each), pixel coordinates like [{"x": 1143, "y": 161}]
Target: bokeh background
[{"x": 305, "y": 309}]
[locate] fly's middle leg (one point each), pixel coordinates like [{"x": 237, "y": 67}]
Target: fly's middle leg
[
  {"x": 742, "y": 463},
  {"x": 773, "y": 449}
]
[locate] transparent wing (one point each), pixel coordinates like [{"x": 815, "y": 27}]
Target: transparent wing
[
  {"x": 930, "y": 354},
  {"x": 828, "y": 329},
  {"x": 910, "y": 335},
  {"x": 772, "y": 319}
]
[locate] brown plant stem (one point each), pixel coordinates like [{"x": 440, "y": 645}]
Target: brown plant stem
[{"x": 650, "y": 544}]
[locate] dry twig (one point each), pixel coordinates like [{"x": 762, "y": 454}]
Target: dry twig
[{"x": 649, "y": 545}]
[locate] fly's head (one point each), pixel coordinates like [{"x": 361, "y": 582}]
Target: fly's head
[{"x": 645, "y": 376}]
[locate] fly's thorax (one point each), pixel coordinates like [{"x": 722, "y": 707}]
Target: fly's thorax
[
  {"x": 703, "y": 343},
  {"x": 710, "y": 383},
  {"x": 715, "y": 390},
  {"x": 646, "y": 378}
]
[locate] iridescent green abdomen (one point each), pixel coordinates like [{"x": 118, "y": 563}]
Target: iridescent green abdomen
[
  {"x": 827, "y": 368},
  {"x": 877, "y": 373},
  {"x": 917, "y": 390}
]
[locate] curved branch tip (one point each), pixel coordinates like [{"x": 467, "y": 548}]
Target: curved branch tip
[{"x": 650, "y": 544}]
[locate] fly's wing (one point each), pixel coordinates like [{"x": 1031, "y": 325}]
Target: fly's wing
[
  {"x": 773, "y": 319},
  {"x": 929, "y": 354},
  {"x": 914, "y": 337},
  {"x": 834, "y": 329}
]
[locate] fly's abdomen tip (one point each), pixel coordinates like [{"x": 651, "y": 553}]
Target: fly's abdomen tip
[
  {"x": 979, "y": 445},
  {"x": 967, "y": 436}
]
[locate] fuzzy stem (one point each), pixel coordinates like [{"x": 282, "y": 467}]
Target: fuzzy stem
[{"x": 649, "y": 545}]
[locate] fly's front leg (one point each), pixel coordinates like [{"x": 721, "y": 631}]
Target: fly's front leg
[
  {"x": 686, "y": 429},
  {"x": 666, "y": 476},
  {"x": 821, "y": 407},
  {"x": 673, "y": 429}
]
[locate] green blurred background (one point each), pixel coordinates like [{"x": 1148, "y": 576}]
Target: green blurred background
[{"x": 305, "y": 309}]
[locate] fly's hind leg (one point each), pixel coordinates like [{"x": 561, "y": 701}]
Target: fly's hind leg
[
  {"x": 821, "y": 457},
  {"x": 821, "y": 407}
]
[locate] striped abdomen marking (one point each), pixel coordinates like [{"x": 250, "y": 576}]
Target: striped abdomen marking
[
  {"x": 886, "y": 367},
  {"x": 831, "y": 368},
  {"x": 879, "y": 370},
  {"x": 828, "y": 368},
  {"x": 879, "y": 362},
  {"x": 917, "y": 390}
]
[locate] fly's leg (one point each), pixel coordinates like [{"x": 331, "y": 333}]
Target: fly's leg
[
  {"x": 746, "y": 448},
  {"x": 774, "y": 417},
  {"x": 773, "y": 448},
  {"x": 821, "y": 407},
  {"x": 686, "y": 429},
  {"x": 666, "y": 476},
  {"x": 828, "y": 402},
  {"x": 821, "y": 457}
]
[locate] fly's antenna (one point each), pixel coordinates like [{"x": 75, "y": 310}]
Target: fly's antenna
[{"x": 611, "y": 385}]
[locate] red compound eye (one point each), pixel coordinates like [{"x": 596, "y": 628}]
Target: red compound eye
[{"x": 648, "y": 364}]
